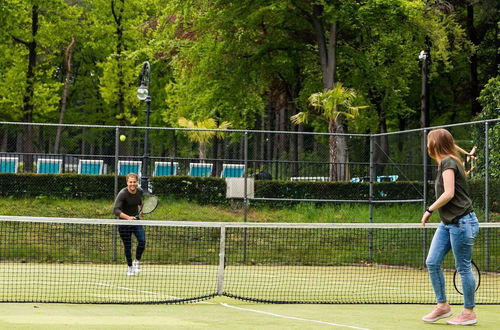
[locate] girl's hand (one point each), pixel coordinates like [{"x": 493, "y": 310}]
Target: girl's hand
[{"x": 425, "y": 218}]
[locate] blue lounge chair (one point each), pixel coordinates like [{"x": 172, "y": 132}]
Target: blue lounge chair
[
  {"x": 129, "y": 166},
  {"x": 200, "y": 169},
  {"x": 49, "y": 166},
  {"x": 90, "y": 166},
  {"x": 232, "y": 171},
  {"x": 8, "y": 164},
  {"x": 165, "y": 168}
]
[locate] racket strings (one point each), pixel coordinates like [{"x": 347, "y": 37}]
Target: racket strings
[{"x": 149, "y": 204}]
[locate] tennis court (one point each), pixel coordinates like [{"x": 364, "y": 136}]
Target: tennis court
[
  {"x": 69, "y": 260},
  {"x": 173, "y": 283},
  {"x": 327, "y": 268},
  {"x": 225, "y": 313}
]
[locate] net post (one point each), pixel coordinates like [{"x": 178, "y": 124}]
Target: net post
[{"x": 222, "y": 262}]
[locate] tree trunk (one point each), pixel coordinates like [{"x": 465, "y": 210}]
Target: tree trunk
[
  {"x": 202, "y": 149},
  {"x": 327, "y": 54},
  {"x": 332, "y": 141},
  {"x": 67, "y": 82},
  {"x": 269, "y": 138},
  {"x": 28, "y": 146},
  {"x": 381, "y": 149},
  {"x": 5, "y": 140},
  {"x": 473, "y": 78},
  {"x": 118, "y": 16}
]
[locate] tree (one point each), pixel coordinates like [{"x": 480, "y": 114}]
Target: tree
[
  {"x": 200, "y": 134},
  {"x": 490, "y": 100},
  {"x": 68, "y": 66},
  {"x": 333, "y": 104},
  {"x": 36, "y": 30}
]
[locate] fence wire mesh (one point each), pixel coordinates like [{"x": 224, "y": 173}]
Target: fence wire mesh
[{"x": 296, "y": 166}]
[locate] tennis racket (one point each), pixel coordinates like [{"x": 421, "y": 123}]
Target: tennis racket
[
  {"x": 149, "y": 204},
  {"x": 457, "y": 279}
]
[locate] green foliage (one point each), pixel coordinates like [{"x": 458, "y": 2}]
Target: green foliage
[
  {"x": 55, "y": 24},
  {"x": 335, "y": 190},
  {"x": 227, "y": 59},
  {"x": 212, "y": 191},
  {"x": 332, "y": 104},
  {"x": 114, "y": 69},
  {"x": 490, "y": 100},
  {"x": 60, "y": 185},
  {"x": 201, "y": 190},
  {"x": 477, "y": 191},
  {"x": 207, "y": 68}
]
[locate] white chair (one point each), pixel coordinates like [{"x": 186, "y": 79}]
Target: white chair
[
  {"x": 165, "y": 168},
  {"x": 200, "y": 169},
  {"x": 90, "y": 166},
  {"x": 309, "y": 178},
  {"x": 387, "y": 178},
  {"x": 48, "y": 166}
]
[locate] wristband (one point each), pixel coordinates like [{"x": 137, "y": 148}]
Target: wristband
[{"x": 427, "y": 210}]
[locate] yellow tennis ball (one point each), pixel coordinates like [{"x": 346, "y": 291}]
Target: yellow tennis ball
[{"x": 123, "y": 137}]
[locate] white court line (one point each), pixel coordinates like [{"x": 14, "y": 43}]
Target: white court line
[{"x": 292, "y": 317}]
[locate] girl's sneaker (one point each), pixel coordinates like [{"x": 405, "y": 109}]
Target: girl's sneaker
[
  {"x": 437, "y": 314},
  {"x": 464, "y": 319}
]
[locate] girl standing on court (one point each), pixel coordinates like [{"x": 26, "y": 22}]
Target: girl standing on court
[{"x": 457, "y": 230}]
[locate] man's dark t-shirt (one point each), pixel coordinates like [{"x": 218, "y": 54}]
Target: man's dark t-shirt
[{"x": 128, "y": 203}]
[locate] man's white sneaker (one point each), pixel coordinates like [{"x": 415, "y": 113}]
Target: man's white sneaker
[
  {"x": 130, "y": 271},
  {"x": 136, "y": 266}
]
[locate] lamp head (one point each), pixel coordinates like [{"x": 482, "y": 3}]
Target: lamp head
[
  {"x": 422, "y": 56},
  {"x": 142, "y": 92}
]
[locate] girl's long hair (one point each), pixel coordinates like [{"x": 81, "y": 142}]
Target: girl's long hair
[{"x": 440, "y": 144}]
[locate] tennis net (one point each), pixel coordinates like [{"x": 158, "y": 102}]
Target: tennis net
[{"x": 82, "y": 261}]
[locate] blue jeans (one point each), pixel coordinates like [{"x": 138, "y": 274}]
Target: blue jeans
[{"x": 459, "y": 238}]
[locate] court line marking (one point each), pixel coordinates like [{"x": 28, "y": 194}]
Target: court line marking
[
  {"x": 143, "y": 291},
  {"x": 292, "y": 317}
]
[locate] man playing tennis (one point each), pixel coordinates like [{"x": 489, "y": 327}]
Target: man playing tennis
[{"x": 127, "y": 205}]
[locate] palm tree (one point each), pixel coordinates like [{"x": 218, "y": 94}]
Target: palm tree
[
  {"x": 334, "y": 105},
  {"x": 200, "y": 135}
]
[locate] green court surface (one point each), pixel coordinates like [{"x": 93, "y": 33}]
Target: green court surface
[
  {"x": 107, "y": 283},
  {"x": 225, "y": 313}
]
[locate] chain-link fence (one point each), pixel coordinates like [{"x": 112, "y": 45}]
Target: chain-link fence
[{"x": 298, "y": 166}]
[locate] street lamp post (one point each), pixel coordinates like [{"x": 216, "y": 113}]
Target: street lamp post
[
  {"x": 424, "y": 58},
  {"x": 143, "y": 95}
]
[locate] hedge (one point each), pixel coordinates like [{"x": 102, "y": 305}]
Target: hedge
[{"x": 213, "y": 190}]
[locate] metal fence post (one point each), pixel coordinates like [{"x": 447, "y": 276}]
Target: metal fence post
[
  {"x": 424, "y": 203},
  {"x": 370, "y": 197},
  {"x": 487, "y": 193},
  {"x": 245, "y": 158},
  {"x": 115, "y": 228},
  {"x": 245, "y": 197}
]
